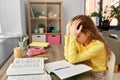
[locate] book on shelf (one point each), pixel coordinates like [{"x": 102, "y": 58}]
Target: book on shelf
[
  {"x": 64, "y": 69},
  {"x": 32, "y": 12}
]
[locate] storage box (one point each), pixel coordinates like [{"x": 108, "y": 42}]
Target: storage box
[
  {"x": 53, "y": 38},
  {"x": 38, "y": 38}
]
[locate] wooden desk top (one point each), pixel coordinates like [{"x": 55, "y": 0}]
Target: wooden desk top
[{"x": 55, "y": 52}]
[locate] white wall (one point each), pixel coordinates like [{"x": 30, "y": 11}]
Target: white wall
[
  {"x": 71, "y": 8},
  {"x": 0, "y": 28},
  {"x": 12, "y": 16}
]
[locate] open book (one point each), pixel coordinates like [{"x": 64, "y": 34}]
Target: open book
[
  {"x": 64, "y": 69},
  {"x": 26, "y": 66}
]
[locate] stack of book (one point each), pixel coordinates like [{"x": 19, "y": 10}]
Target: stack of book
[{"x": 27, "y": 69}]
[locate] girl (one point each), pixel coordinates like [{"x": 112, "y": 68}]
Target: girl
[{"x": 83, "y": 43}]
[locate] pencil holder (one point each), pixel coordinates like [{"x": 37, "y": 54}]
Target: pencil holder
[
  {"x": 22, "y": 45},
  {"x": 18, "y": 53}
]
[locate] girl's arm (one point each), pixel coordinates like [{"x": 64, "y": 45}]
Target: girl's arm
[{"x": 74, "y": 55}]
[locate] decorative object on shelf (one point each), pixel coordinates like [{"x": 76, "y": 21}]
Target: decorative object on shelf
[
  {"x": 37, "y": 14},
  {"x": 36, "y": 30},
  {"x": 42, "y": 13},
  {"x": 49, "y": 29},
  {"x": 112, "y": 11},
  {"x": 52, "y": 14},
  {"x": 55, "y": 31},
  {"x": 41, "y": 27}
]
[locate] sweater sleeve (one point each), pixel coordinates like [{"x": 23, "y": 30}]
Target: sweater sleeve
[
  {"x": 75, "y": 56},
  {"x": 66, "y": 46}
]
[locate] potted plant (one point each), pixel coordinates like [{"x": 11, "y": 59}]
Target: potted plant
[
  {"x": 115, "y": 12},
  {"x": 108, "y": 13},
  {"x": 41, "y": 27},
  {"x": 106, "y": 18}
]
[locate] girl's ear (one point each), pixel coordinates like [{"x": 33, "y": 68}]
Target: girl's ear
[{"x": 88, "y": 33}]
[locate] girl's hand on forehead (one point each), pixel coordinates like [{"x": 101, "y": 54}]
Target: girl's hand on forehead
[
  {"x": 68, "y": 27},
  {"x": 73, "y": 28}
]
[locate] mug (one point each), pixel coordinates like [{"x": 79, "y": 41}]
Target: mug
[{"x": 18, "y": 52}]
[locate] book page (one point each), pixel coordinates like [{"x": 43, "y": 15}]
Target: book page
[
  {"x": 56, "y": 65},
  {"x": 72, "y": 71},
  {"x": 64, "y": 69}
]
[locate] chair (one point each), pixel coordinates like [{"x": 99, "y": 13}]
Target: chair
[{"x": 111, "y": 64}]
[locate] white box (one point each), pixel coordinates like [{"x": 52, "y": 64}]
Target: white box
[{"x": 38, "y": 38}]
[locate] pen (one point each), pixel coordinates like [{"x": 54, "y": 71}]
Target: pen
[
  {"x": 24, "y": 39},
  {"x": 62, "y": 68}
]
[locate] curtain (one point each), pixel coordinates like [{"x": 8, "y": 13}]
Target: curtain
[
  {"x": 12, "y": 17},
  {"x": 90, "y": 7}
]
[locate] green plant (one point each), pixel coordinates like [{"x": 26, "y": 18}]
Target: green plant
[
  {"x": 108, "y": 13},
  {"x": 41, "y": 25},
  {"x": 115, "y": 12}
]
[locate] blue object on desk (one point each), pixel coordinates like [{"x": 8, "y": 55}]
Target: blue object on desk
[{"x": 61, "y": 68}]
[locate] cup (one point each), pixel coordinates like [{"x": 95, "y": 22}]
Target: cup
[
  {"x": 18, "y": 52},
  {"x": 22, "y": 45}
]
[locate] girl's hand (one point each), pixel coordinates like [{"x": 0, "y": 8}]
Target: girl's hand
[
  {"x": 73, "y": 28},
  {"x": 68, "y": 28}
]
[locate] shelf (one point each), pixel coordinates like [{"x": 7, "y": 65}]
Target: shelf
[
  {"x": 50, "y": 14},
  {"x": 44, "y": 33},
  {"x": 46, "y": 18}
]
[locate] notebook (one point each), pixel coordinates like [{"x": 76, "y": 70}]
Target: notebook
[
  {"x": 64, "y": 69},
  {"x": 26, "y": 66},
  {"x": 39, "y": 44}
]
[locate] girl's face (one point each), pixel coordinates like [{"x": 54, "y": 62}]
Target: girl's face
[{"x": 82, "y": 38}]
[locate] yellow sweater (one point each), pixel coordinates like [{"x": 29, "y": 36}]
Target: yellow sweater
[{"x": 93, "y": 54}]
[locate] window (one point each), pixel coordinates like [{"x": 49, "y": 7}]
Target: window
[
  {"x": 114, "y": 21},
  {"x": 92, "y": 5}
]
